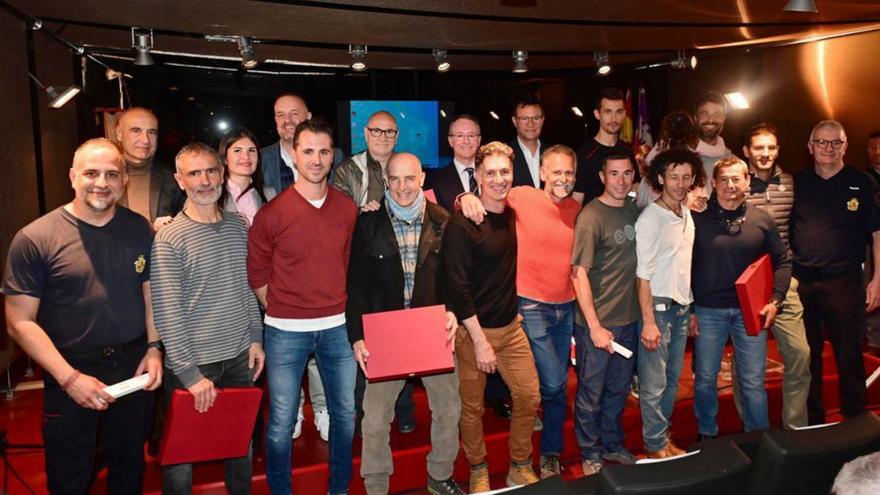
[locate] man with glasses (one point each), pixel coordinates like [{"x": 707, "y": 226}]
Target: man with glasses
[
  {"x": 528, "y": 119},
  {"x": 610, "y": 113},
  {"x": 731, "y": 235},
  {"x": 458, "y": 177},
  {"x": 362, "y": 176},
  {"x": 833, "y": 213}
]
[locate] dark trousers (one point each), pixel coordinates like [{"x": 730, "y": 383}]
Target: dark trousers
[
  {"x": 71, "y": 432},
  {"x": 836, "y": 305},
  {"x": 237, "y": 472}
]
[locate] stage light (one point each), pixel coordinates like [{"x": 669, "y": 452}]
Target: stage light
[
  {"x": 142, "y": 43},
  {"x": 441, "y": 62},
  {"x": 519, "y": 61},
  {"x": 222, "y": 125},
  {"x": 683, "y": 62},
  {"x": 801, "y": 6},
  {"x": 57, "y": 99},
  {"x": 494, "y": 115},
  {"x": 443, "y": 113},
  {"x": 577, "y": 111},
  {"x": 603, "y": 68},
  {"x": 248, "y": 57},
  {"x": 737, "y": 100},
  {"x": 358, "y": 55}
]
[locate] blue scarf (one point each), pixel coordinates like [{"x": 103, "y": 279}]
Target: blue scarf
[{"x": 410, "y": 213}]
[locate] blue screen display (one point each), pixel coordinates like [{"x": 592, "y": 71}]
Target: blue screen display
[{"x": 416, "y": 121}]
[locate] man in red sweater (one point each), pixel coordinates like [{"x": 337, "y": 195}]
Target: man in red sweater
[{"x": 298, "y": 250}]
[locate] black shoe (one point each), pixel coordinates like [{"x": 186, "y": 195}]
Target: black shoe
[
  {"x": 406, "y": 425},
  {"x": 500, "y": 407},
  {"x": 445, "y": 487}
]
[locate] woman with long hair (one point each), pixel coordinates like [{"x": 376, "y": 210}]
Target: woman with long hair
[{"x": 244, "y": 191}]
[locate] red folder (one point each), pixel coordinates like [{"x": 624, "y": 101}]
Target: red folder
[
  {"x": 224, "y": 431},
  {"x": 753, "y": 289},
  {"x": 407, "y": 342}
]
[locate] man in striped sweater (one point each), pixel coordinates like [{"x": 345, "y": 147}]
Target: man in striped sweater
[{"x": 205, "y": 312}]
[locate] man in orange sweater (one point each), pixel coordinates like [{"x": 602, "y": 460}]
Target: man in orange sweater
[{"x": 545, "y": 221}]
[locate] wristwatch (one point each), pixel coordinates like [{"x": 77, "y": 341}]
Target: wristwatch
[
  {"x": 777, "y": 303},
  {"x": 156, "y": 344}
]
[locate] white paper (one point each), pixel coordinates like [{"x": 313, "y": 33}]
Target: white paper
[
  {"x": 623, "y": 351},
  {"x": 128, "y": 386}
]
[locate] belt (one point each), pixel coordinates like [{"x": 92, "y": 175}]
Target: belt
[
  {"x": 115, "y": 351},
  {"x": 822, "y": 272}
]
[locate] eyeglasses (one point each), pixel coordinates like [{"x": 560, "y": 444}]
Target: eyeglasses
[
  {"x": 462, "y": 137},
  {"x": 376, "y": 132},
  {"x": 823, "y": 143},
  {"x": 533, "y": 118}
]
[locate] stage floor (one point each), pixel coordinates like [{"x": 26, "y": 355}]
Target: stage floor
[{"x": 20, "y": 418}]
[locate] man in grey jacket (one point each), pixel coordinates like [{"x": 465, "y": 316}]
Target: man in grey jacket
[{"x": 362, "y": 176}]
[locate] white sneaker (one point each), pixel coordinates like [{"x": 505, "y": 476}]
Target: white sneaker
[
  {"x": 322, "y": 423},
  {"x": 297, "y": 429}
]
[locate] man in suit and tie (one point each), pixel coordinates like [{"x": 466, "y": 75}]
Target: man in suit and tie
[
  {"x": 528, "y": 118},
  {"x": 458, "y": 177}
]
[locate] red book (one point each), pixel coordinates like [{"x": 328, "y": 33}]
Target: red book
[
  {"x": 223, "y": 432},
  {"x": 753, "y": 289},
  {"x": 407, "y": 342}
]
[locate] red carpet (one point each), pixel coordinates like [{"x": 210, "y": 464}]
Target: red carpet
[{"x": 21, "y": 419}]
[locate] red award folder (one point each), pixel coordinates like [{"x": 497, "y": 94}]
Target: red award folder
[
  {"x": 407, "y": 342},
  {"x": 753, "y": 289},
  {"x": 224, "y": 431}
]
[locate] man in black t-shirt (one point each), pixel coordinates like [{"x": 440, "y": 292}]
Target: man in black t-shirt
[
  {"x": 610, "y": 112},
  {"x": 835, "y": 209},
  {"x": 77, "y": 299}
]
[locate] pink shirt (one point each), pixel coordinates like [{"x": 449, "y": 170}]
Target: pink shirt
[
  {"x": 247, "y": 204},
  {"x": 545, "y": 235}
]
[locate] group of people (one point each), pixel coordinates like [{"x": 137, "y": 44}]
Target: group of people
[{"x": 247, "y": 259}]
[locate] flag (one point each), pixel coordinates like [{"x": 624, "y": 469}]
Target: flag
[
  {"x": 643, "y": 126},
  {"x": 626, "y": 127}
]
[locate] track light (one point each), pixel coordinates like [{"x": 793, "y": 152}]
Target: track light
[
  {"x": 246, "y": 48},
  {"x": 800, "y": 6},
  {"x": 57, "y": 99},
  {"x": 603, "y": 68},
  {"x": 683, "y": 62},
  {"x": 142, "y": 43},
  {"x": 519, "y": 61},
  {"x": 441, "y": 63},
  {"x": 358, "y": 55}
]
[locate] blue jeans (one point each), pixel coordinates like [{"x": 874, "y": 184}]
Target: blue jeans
[
  {"x": 549, "y": 328},
  {"x": 716, "y": 325},
  {"x": 659, "y": 371},
  {"x": 603, "y": 384},
  {"x": 286, "y": 357}
]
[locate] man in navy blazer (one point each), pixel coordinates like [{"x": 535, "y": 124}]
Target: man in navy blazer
[
  {"x": 528, "y": 118},
  {"x": 276, "y": 159},
  {"x": 455, "y": 178}
]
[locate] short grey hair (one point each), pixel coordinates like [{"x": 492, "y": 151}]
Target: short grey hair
[
  {"x": 860, "y": 476},
  {"x": 79, "y": 154},
  {"x": 828, "y": 124},
  {"x": 195, "y": 148}
]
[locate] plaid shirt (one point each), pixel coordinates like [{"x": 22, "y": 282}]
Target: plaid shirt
[{"x": 408, "y": 243}]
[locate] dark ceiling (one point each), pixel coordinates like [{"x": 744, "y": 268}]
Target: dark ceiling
[{"x": 479, "y": 35}]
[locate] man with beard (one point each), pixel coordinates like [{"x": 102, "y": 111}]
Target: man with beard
[
  {"x": 603, "y": 270},
  {"x": 150, "y": 191},
  {"x": 664, "y": 244},
  {"x": 545, "y": 234},
  {"x": 205, "y": 312},
  {"x": 480, "y": 263},
  {"x": 298, "y": 250},
  {"x": 610, "y": 113},
  {"x": 77, "y": 293},
  {"x": 711, "y": 113}
]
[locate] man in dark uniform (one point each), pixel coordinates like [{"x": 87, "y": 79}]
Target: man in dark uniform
[{"x": 833, "y": 213}]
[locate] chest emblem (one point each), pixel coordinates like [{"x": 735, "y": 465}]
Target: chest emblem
[
  {"x": 781, "y": 187},
  {"x": 852, "y": 204},
  {"x": 139, "y": 264}
]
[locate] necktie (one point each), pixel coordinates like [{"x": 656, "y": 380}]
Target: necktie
[{"x": 472, "y": 181}]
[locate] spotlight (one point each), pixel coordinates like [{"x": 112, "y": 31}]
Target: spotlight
[
  {"x": 222, "y": 125},
  {"x": 683, "y": 62},
  {"x": 57, "y": 99},
  {"x": 519, "y": 61},
  {"x": 441, "y": 63},
  {"x": 577, "y": 111},
  {"x": 800, "y": 6},
  {"x": 603, "y": 68},
  {"x": 246, "y": 47},
  {"x": 142, "y": 43},
  {"x": 737, "y": 100},
  {"x": 358, "y": 54},
  {"x": 494, "y": 115}
]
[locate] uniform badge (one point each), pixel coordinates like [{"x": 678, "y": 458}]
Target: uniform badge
[
  {"x": 140, "y": 263},
  {"x": 852, "y": 205},
  {"x": 781, "y": 187}
]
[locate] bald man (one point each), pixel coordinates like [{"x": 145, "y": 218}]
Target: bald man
[
  {"x": 151, "y": 190},
  {"x": 362, "y": 175}
]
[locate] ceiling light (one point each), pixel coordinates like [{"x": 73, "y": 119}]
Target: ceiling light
[
  {"x": 222, "y": 125},
  {"x": 57, "y": 99},
  {"x": 603, "y": 68},
  {"x": 519, "y": 61},
  {"x": 800, "y": 6},
  {"x": 494, "y": 115},
  {"x": 142, "y": 43},
  {"x": 248, "y": 58},
  {"x": 683, "y": 62},
  {"x": 443, "y": 113},
  {"x": 737, "y": 100},
  {"x": 441, "y": 63},
  {"x": 358, "y": 55},
  {"x": 577, "y": 111}
]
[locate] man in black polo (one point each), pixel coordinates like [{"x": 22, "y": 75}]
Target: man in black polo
[{"x": 834, "y": 211}]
